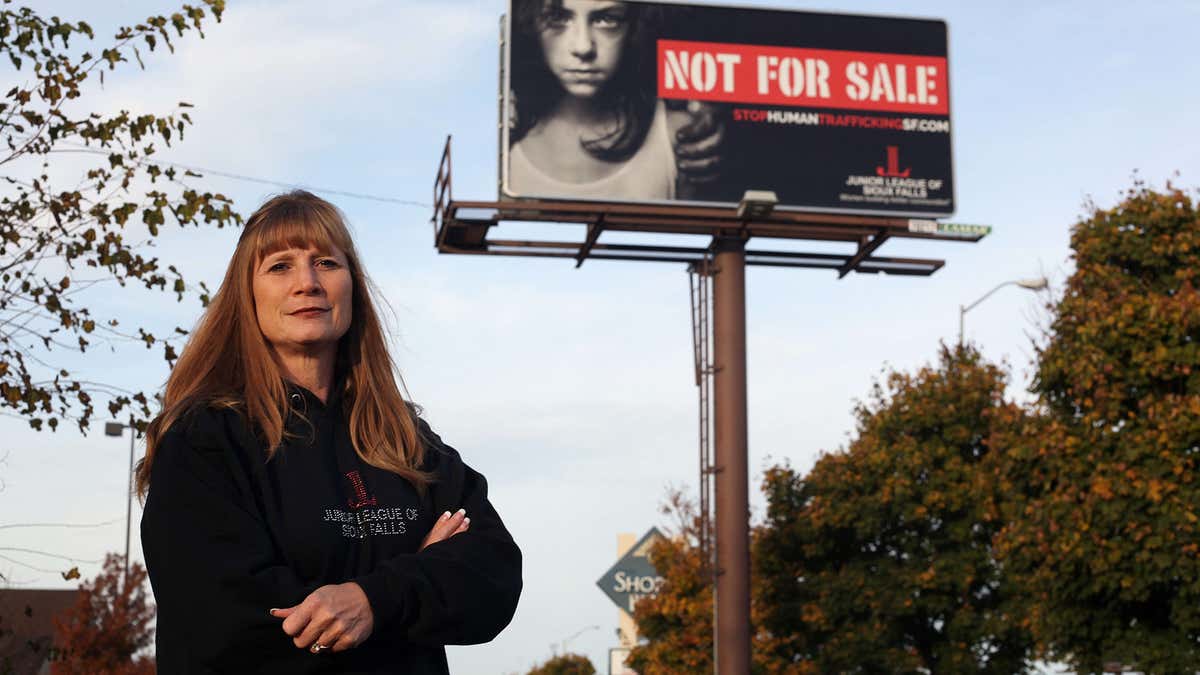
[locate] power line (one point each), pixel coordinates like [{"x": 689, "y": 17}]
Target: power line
[
  {"x": 301, "y": 186},
  {"x": 71, "y": 525},
  {"x": 32, "y": 567},
  {"x": 49, "y": 555},
  {"x": 263, "y": 181}
]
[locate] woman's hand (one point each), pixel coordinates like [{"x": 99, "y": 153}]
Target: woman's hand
[
  {"x": 447, "y": 526},
  {"x": 339, "y": 617},
  {"x": 336, "y": 617}
]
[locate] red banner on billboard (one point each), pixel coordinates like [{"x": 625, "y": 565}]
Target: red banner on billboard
[{"x": 808, "y": 78}]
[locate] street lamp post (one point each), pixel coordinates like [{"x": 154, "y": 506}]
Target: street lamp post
[
  {"x": 1032, "y": 284},
  {"x": 116, "y": 429},
  {"x": 562, "y": 644}
]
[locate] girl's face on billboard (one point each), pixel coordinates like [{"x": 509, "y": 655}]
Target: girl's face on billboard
[{"x": 582, "y": 41}]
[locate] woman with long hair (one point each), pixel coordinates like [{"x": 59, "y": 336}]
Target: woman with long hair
[
  {"x": 299, "y": 516},
  {"x": 587, "y": 122}
]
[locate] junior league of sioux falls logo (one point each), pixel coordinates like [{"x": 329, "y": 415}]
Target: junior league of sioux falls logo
[
  {"x": 360, "y": 498},
  {"x": 892, "y": 168},
  {"x": 365, "y": 518},
  {"x": 893, "y": 182}
]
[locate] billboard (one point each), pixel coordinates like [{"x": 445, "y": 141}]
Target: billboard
[{"x": 656, "y": 103}]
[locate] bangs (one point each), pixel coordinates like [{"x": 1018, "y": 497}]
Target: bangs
[{"x": 298, "y": 226}]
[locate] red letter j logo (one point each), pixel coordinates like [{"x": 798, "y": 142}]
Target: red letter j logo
[
  {"x": 893, "y": 164},
  {"x": 360, "y": 498}
]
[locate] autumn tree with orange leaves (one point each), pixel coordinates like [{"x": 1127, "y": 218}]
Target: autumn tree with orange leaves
[
  {"x": 676, "y": 625},
  {"x": 1104, "y": 530},
  {"x": 108, "y": 626},
  {"x": 881, "y": 558},
  {"x": 960, "y": 533},
  {"x": 565, "y": 664}
]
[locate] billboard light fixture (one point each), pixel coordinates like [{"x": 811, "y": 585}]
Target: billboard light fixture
[{"x": 757, "y": 204}]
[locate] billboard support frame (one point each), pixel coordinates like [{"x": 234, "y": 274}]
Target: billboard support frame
[
  {"x": 458, "y": 233},
  {"x": 724, "y": 260}
]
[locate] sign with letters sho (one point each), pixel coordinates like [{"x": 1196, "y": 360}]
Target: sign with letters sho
[
  {"x": 633, "y": 577},
  {"x": 646, "y": 102}
]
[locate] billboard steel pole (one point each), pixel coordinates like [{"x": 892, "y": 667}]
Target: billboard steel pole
[{"x": 732, "y": 478}]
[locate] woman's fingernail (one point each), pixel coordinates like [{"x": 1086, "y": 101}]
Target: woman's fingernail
[
  {"x": 461, "y": 512},
  {"x": 445, "y": 515},
  {"x": 466, "y": 521},
  {"x": 272, "y": 611}
]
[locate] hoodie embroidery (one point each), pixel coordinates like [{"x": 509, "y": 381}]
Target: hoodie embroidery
[{"x": 360, "y": 498}]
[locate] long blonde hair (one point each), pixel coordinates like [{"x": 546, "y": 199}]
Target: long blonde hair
[{"x": 227, "y": 362}]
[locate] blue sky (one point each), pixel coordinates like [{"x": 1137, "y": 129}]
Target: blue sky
[{"x": 572, "y": 389}]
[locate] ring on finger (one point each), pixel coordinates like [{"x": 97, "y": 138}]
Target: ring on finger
[{"x": 317, "y": 648}]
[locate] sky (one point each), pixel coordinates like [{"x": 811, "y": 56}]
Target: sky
[{"x": 572, "y": 389}]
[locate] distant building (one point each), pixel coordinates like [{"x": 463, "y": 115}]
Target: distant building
[{"x": 27, "y": 628}]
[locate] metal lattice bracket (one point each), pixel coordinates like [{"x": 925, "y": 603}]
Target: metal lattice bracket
[{"x": 467, "y": 227}]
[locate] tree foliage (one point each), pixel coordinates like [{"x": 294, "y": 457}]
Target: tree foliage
[
  {"x": 1105, "y": 519},
  {"x": 676, "y": 626},
  {"x": 78, "y": 190},
  {"x": 565, "y": 664},
  {"x": 880, "y": 560},
  {"x": 961, "y": 533},
  {"x": 109, "y": 624}
]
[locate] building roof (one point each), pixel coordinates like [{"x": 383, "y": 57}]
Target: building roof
[{"x": 27, "y": 626}]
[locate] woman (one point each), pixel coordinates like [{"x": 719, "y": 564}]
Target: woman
[
  {"x": 586, "y": 122},
  {"x": 292, "y": 494}
]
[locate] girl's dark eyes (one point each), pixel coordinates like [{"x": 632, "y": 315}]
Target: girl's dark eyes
[
  {"x": 559, "y": 18},
  {"x": 556, "y": 17},
  {"x": 609, "y": 20}
]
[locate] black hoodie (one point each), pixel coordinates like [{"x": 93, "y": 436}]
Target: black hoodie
[{"x": 228, "y": 535}]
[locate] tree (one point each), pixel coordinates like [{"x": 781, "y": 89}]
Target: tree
[
  {"x": 880, "y": 560},
  {"x": 1104, "y": 529},
  {"x": 108, "y": 626},
  {"x": 676, "y": 626},
  {"x": 565, "y": 664},
  {"x": 63, "y": 230}
]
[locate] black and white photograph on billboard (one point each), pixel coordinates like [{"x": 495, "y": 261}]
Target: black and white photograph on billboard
[
  {"x": 642, "y": 102},
  {"x": 585, "y": 118}
]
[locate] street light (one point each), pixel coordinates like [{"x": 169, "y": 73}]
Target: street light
[
  {"x": 116, "y": 429},
  {"x": 562, "y": 644},
  {"x": 1032, "y": 284}
]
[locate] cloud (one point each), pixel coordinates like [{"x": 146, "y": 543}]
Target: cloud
[{"x": 279, "y": 82}]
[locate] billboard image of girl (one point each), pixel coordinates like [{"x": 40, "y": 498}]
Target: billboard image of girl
[{"x": 585, "y": 120}]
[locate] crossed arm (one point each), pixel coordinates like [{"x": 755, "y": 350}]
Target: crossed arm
[
  {"x": 216, "y": 571},
  {"x": 338, "y": 616}
]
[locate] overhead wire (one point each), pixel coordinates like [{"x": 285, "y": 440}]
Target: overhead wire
[
  {"x": 70, "y": 525},
  {"x": 263, "y": 181}
]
